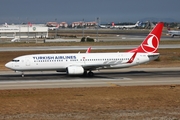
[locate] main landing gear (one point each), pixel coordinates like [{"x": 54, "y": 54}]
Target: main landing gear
[{"x": 88, "y": 74}]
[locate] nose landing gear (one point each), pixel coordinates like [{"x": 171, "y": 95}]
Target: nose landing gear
[{"x": 22, "y": 74}]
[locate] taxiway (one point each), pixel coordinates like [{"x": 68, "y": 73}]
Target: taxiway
[{"x": 78, "y": 47}]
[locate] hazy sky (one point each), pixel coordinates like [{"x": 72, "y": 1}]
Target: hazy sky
[{"x": 77, "y": 10}]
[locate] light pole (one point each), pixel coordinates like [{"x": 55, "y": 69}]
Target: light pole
[
  {"x": 97, "y": 28},
  {"x": 19, "y": 28},
  {"x": 56, "y": 27},
  {"x": 83, "y": 27},
  {"x": 28, "y": 29}
]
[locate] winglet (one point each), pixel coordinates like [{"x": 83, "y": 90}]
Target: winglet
[
  {"x": 151, "y": 42},
  {"x": 132, "y": 58},
  {"x": 88, "y": 50}
]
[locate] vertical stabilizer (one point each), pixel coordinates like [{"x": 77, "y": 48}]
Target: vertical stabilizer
[{"x": 151, "y": 42}]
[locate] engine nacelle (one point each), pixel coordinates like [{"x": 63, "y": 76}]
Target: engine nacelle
[{"x": 75, "y": 70}]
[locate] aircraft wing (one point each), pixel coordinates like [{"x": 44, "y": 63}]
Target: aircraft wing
[{"x": 106, "y": 64}]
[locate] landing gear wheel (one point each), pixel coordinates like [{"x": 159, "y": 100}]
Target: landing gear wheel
[
  {"x": 22, "y": 74},
  {"x": 90, "y": 74},
  {"x": 85, "y": 73}
]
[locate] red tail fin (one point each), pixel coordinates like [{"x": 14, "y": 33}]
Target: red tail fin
[
  {"x": 151, "y": 42},
  {"x": 112, "y": 24}
]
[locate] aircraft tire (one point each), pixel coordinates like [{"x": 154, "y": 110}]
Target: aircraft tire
[{"x": 90, "y": 74}]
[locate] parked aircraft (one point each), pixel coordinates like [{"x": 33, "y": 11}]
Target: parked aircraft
[
  {"x": 84, "y": 64},
  {"x": 104, "y": 26},
  {"x": 125, "y": 26},
  {"x": 15, "y": 39},
  {"x": 5, "y": 25},
  {"x": 54, "y": 28},
  {"x": 173, "y": 33}
]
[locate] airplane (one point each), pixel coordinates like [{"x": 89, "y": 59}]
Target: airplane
[
  {"x": 5, "y": 25},
  {"x": 84, "y": 64},
  {"x": 125, "y": 26},
  {"x": 173, "y": 33},
  {"x": 15, "y": 39},
  {"x": 104, "y": 26},
  {"x": 54, "y": 28}
]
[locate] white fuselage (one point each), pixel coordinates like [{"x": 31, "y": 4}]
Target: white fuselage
[
  {"x": 91, "y": 61},
  {"x": 126, "y": 26},
  {"x": 174, "y": 33}
]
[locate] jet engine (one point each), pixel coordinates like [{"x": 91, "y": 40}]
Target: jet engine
[{"x": 75, "y": 70}]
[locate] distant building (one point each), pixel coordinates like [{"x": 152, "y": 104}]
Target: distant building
[
  {"x": 75, "y": 24},
  {"x": 90, "y": 23},
  {"x": 63, "y": 24},
  {"x": 28, "y": 31}
]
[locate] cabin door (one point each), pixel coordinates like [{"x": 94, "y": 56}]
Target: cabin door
[{"x": 27, "y": 60}]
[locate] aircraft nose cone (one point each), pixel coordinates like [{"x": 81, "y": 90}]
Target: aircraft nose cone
[{"x": 8, "y": 65}]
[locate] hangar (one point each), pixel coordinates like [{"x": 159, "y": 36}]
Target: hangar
[{"x": 23, "y": 32}]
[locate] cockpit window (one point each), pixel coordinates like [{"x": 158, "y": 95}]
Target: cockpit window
[{"x": 15, "y": 60}]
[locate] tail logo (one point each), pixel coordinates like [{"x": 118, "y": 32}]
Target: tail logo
[{"x": 151, "y": 44}]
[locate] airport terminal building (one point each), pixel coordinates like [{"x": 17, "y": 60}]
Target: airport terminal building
[{"x": 24, "y": 32}]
